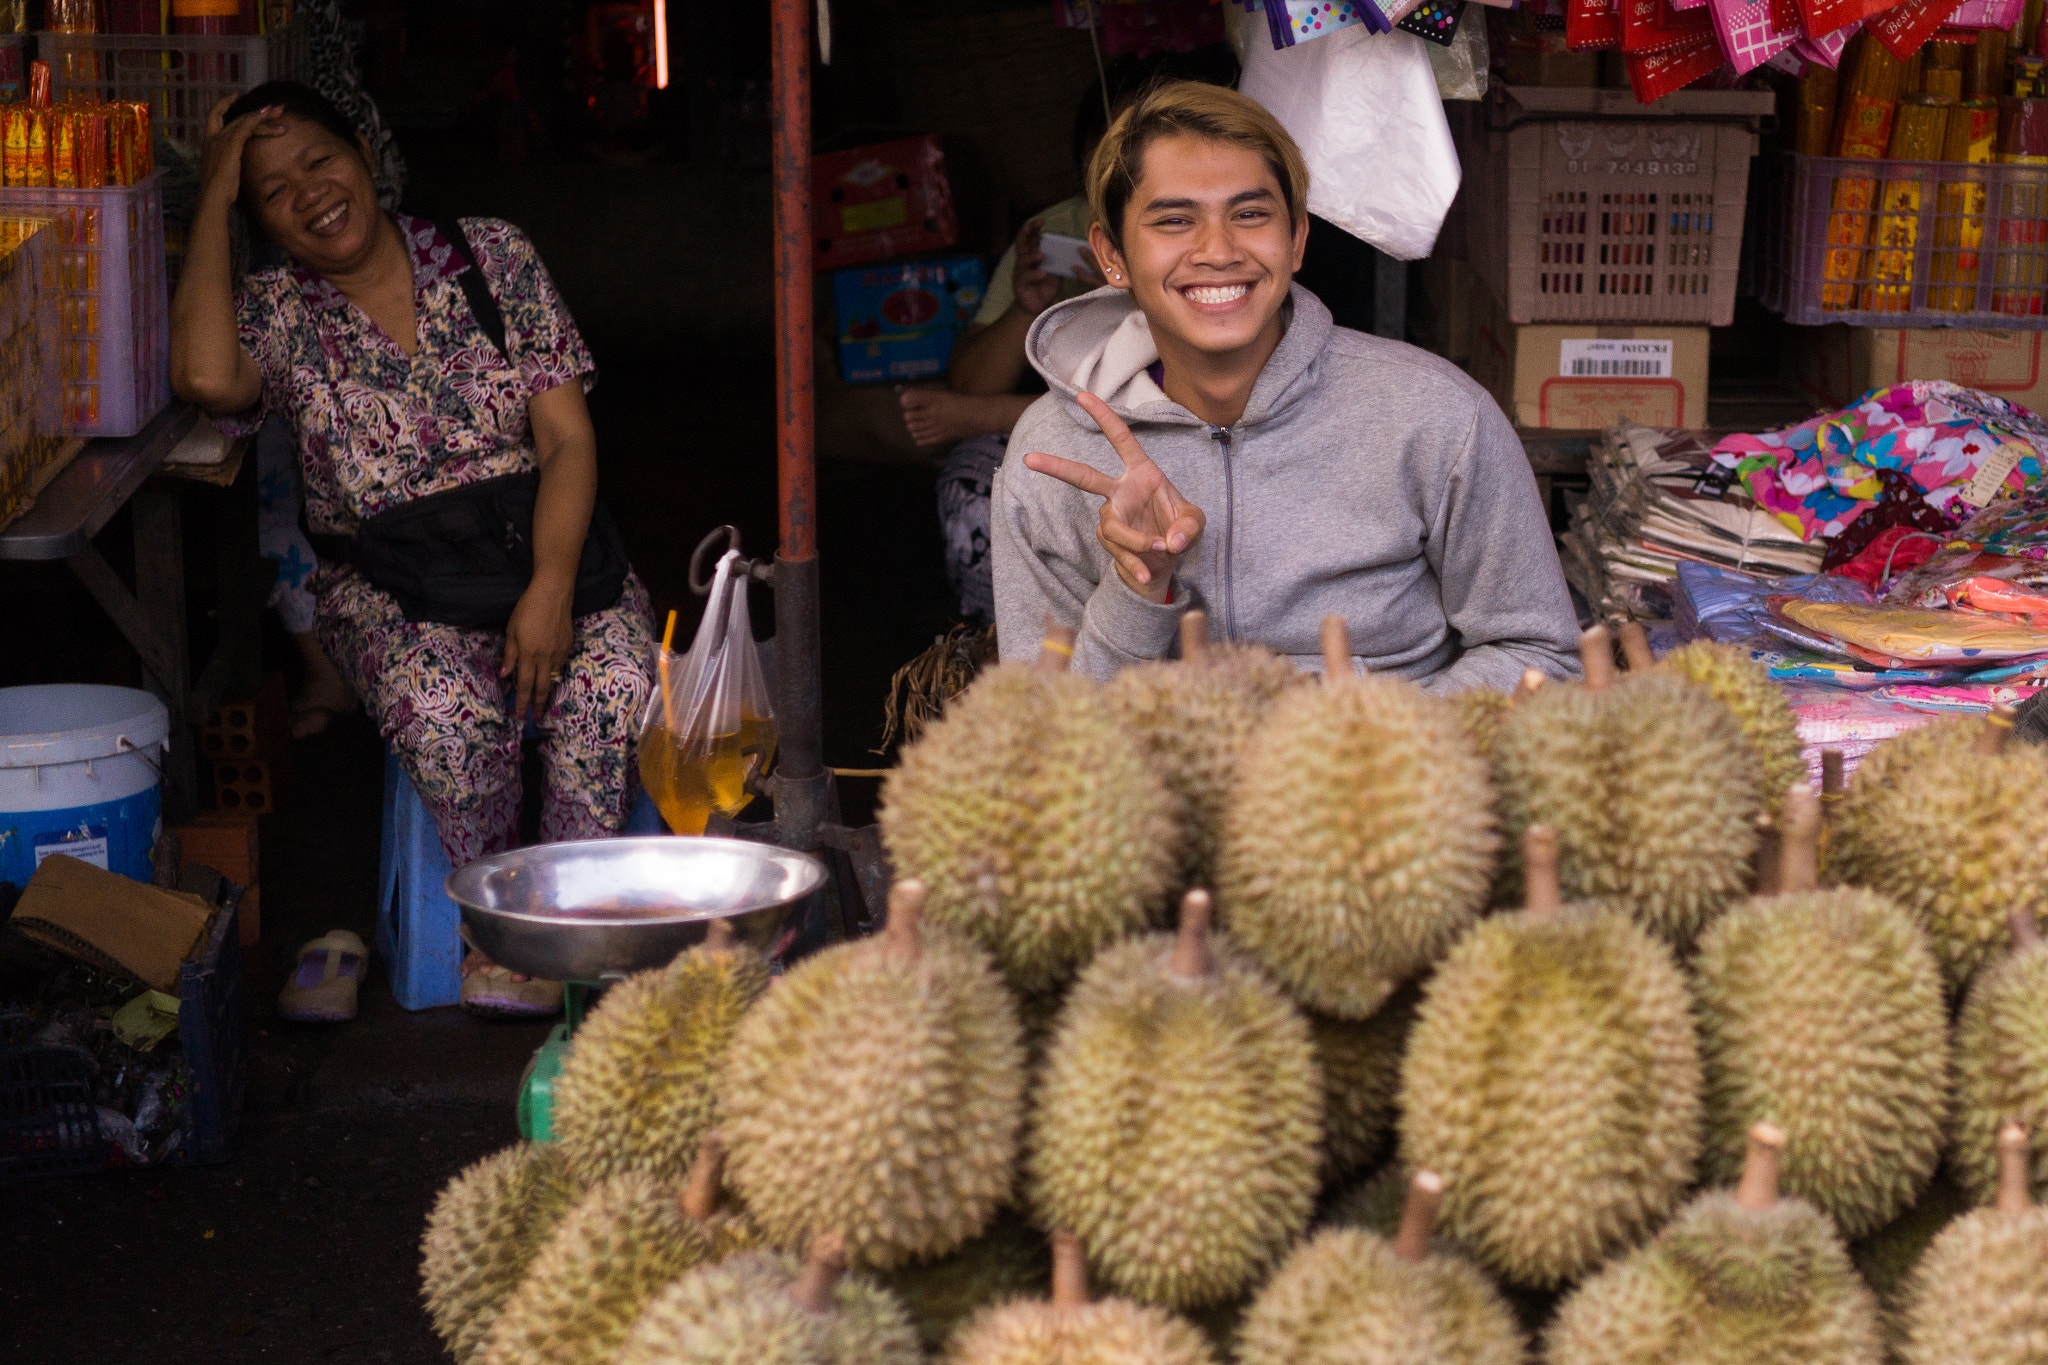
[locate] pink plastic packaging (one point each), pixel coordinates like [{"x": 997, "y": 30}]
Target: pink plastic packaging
[{"x": 1987, "y": 14}]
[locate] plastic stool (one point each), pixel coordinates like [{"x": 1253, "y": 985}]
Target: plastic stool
[{"x": 417, "y": 924}]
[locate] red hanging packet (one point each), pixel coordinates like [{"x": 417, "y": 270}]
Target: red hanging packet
[
  {"x": 1904, "y": 29},
  {"x": 1653, "y": 26},
  {"x": 1653, "y": 75},
  {"x": 1822, "y": 17},
  {"x": 1785, "y": 15},
  {"x": 1590, "y": 24}
]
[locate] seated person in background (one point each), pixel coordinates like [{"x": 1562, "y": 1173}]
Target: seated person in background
[
  {"x": 1212, "y": 440},
  {"x": 367, "y": 344}
]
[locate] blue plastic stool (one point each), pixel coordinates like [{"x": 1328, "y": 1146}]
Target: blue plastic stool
[{"x": 416, "y": 921}]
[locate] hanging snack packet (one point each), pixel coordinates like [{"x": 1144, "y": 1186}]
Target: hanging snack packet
[
  {"x": 1654, "y": 26},
  {"x": 1592, "y": 24},
  {"x": 1653, "y": 75}
]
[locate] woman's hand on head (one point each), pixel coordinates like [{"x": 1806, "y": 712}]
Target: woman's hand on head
[
  {"x": 1144, "y": 523},
  {"x": 220, "y": 158},
  {"x": 538, "y": 639}
]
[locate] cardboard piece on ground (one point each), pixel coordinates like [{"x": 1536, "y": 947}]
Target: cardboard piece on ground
[
  {"x": 1837, "y": 364},
  {"x": 1588, "y": 375},
  {"x": 111, "y": 922}
]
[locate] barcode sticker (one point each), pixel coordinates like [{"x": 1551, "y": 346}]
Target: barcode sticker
[{"x": 1614, "y": 359}]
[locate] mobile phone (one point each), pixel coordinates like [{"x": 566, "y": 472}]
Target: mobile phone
[{"x": 1063, "y": 254}]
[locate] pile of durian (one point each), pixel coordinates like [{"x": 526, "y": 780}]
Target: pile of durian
[{"x": 1330, "y": 1022}]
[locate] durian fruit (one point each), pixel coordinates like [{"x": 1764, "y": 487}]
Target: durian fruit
[
  {"x": 1029, "y": 778},
  {"x": 1649, "y": 784},
  {"x": 1731, "y": 677},
  {"x": 621, "y": 1244},
  {"x": 1070, "y": 1330},
  {"x": 1360, "y": 1061},
  {"x": 1179, "y": 1120},
  {"x": 485, "y": 1229},
  {"x": 1192, "y": 719},
  {"x": 1374, "y": 1204},
  {"x": 1354, "y": 1298},
  {"x": 877, "y": 1093},
  {"x": 769, "y": 1308},
  {"x": 1745, "y": 1278},
  {"x": 1822, "y": 1013},
  {"x": 1360, "y": 840},
  {"x": 1948, "y": 821},
  {"x": 640, "y": 1086},
  {"x": 1011, "y": 1260},
  {"x": 2001, "y": 1056},
  {"x": 1980, "y": 1294},
  {"x": 1553, "y": 1080},
  {"x": 1886, "y": 1256}
]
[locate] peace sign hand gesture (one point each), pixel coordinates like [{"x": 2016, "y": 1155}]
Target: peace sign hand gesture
[{"x": 1145, "y": 523}]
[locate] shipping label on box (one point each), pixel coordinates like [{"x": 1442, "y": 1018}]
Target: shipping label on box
[
  {"x": 889, "y": 199},
  {"x": 899, "y": 321},
  {"x": 1837, "y": 364},
  {"x": 1587, "y": 376}
]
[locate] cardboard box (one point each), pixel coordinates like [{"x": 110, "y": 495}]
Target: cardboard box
[
  {"x": 899, "y": 321},
  {"x": 1836, "y": 364},
  {"x": 1587, "y": 375},
  {"x": 889, "y": 199},
  {"x": 226, "y": 841}
]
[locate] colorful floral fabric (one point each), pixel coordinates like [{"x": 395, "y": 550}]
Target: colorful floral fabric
[{"x": 1820, "y": 476}]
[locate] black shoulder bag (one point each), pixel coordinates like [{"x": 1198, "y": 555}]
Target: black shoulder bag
[{"x": 465, "y": 557}]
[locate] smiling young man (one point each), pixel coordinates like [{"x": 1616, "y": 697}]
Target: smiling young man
[{"x": 1212, "y": 440}]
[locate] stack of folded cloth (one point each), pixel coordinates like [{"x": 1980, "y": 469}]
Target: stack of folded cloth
[{"x": 1659, "y": 500}]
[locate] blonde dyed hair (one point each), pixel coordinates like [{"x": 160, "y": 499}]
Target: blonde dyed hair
[{"x": 1199, "y": 110}]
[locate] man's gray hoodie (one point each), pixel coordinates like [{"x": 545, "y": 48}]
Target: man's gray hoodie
[{"x": 1366, "y": 478}]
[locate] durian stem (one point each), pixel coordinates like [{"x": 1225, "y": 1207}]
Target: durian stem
[
  {"x": 1191, "y": 961},
  {"x": 1418, "y": 1215},
  {"x": 1799, "y": 840},
  {"x": 1532, "y": 681},
  {"x": 1997, "y": 730},
  {"x": 1832, "y": 784},
  {"x": 1069, "y": 1271},
  {"x": 822, "y": 1269},
  {"x": 1056, "y": 650},
  {"x": 1194, "y": 637},
  {"x": 906, "y": 908},
  {"x": 2014, "y": 1193},
  {"x": 1770, "y": 859},
  {"x": 1539, "y": 871},
  {"x": 1635, "y": 647},
  {"x": 2025, "y": 932},
  {"x": 700, "y": 1193},
  {"x": 1336, "y": 649},
  {"x": 1759, "y": 1188},
  {"x": 1596, "y": 655}
]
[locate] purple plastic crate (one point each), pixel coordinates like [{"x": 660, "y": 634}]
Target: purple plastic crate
[
  {"x": 114, "y": 332},
  {"x": 1904, "y": 243}
]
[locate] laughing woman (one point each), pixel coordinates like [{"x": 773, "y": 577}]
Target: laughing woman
[{"x": 431, "y": 382}]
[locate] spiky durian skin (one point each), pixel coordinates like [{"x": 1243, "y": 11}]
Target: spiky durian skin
[
  {"x": 1651, "y": 789},
  {"x": 1359, "y": 843},
  {"x": 1885, "y": 1257},
  {"x": 1178, "y": 1124},
  {"x": 486, "y": 1226},
  {"x": 1959, "y": 838},
  {"x": 1345, "y": 1298},
  {"x": 741, "y": 1311},
  {"x": 1193, "y": 721},
  {"x": 1822, "y": 1013},
  {"x": 640, "y": 1086},
  {"x": 877, "y": 1098},
  {"x": 2001, "y": 1064},
  {"x": 1553, "y": 1080},
  {"x": 1730, "y": 676},
  {"x": 1373, "y": 1204},
  {"x": 1980, "y": 1294},
  {"x": 1723, "y": 1285},
  {"x": 1011, "y": 1260},
  {"x": 621, "y": 1244},
  {"x": 1360, "y": 1062},
  {"x": 1109, "y": 1332},
  {"x": 1481, "y": 711},
  {"x": 1029, "y": 778}
]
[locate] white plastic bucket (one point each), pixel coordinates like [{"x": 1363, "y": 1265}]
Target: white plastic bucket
[{"x": 80, "y": 772}]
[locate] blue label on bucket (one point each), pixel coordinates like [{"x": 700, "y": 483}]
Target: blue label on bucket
[{"x": 87, "y": 843}]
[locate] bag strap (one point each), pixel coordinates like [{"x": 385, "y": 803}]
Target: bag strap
[{"x": 475, "y": 287}]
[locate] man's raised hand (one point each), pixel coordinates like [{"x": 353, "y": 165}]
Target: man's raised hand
[{"x": 1145, "y": 523}]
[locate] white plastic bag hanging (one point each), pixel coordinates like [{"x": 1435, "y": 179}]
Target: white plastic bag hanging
[
  {"x": 709, "y": 724},
  {"x": 1365, "y": 110},
  {"x": 1461, "y": 67}
]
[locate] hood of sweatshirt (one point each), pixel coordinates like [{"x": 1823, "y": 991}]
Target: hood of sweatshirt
[{"x": 1101, "y": 343}]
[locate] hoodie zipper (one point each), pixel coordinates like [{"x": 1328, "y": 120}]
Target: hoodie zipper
[{"x": 1223, "y": 439}]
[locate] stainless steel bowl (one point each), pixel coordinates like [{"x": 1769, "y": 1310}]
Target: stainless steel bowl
[{"x": 595, "y": 908}]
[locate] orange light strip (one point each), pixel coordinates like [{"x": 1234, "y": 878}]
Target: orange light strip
[{"x": 661, "y": 44}]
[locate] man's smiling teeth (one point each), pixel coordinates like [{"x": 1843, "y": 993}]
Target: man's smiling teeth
[
  {"x": 329, "y": 218},
  {"x": 1216, "y": 293}
]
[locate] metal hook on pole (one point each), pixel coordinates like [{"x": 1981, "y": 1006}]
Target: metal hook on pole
[{"x": 704, "y": 560}]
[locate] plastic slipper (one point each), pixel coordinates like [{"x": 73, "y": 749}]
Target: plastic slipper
[
  {"x": 491, "y": 992},
  {"x": 322, "y": 987}
]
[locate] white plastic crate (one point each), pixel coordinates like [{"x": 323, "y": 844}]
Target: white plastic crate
[
  {"x": 114, "y": 314},
  {"x": 29, "y": 431},
  {"x": 179, "y": 76}
]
